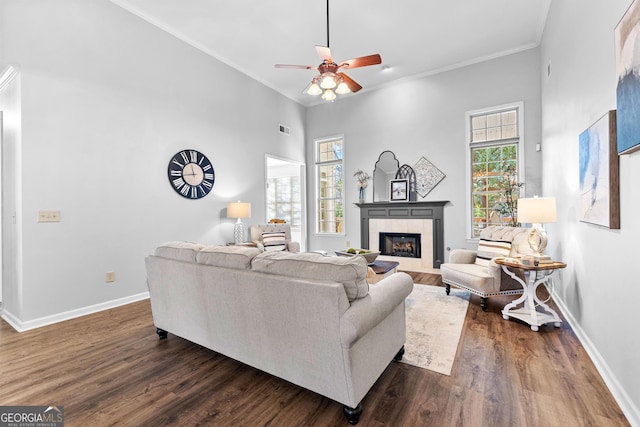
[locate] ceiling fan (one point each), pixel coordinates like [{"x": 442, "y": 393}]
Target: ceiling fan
[{"x": 329, "y": 78}]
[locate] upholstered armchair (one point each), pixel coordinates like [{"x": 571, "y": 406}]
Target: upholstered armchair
[
  {"x": 273, "y": 237},
  {"x": 476, "y": 271}
]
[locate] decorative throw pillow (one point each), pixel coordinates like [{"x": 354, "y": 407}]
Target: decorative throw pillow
[
  {"x": 274, "y": 241},
  {"x": 488, "y": 249}
]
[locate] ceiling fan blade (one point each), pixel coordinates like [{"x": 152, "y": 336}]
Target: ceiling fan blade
[
  {"x": 324, "y": 53},
  {"x": 363, "y": 61},
  {"x": 299, "y": 67},
  {"x": 353, "y": 86}
]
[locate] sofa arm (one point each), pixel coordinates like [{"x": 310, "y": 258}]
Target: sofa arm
[
  {"x": 367, "y": 312},
  {"x": 462, "y": 256}
]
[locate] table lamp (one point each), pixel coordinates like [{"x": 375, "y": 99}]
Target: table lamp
[
  {"x": 537, "y": 211},
  {"x": 238, "y": 210}
]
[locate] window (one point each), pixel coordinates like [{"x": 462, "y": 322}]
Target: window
[
  {"x": 329, "y": 177},
  {"x": 495, "y": 156},
  {"x": 283, "y": 200}
]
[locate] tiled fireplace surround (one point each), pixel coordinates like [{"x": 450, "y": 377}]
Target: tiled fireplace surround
[{"x": 424, "y": 218}]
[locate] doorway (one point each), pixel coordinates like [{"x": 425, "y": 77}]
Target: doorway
[{"x": 285, "y": 195}]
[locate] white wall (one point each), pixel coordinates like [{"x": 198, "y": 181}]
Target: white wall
[
  {"x": 425, "y": 117},
  {"x": 599, "y": 288},
  {"x": 107, "y": 99}
]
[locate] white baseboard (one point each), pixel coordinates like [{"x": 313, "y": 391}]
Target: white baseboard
[
  {"x": 21, "y": 326},
  {"x": 627, "y": 406}
]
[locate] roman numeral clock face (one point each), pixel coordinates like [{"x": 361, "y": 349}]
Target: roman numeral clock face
[{"x": 191, "y": 174}]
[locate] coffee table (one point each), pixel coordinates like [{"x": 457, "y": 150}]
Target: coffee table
[{"x": 382, "y": 270}]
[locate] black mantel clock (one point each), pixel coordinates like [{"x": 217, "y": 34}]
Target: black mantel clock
[{"x": 191, "y": 174}]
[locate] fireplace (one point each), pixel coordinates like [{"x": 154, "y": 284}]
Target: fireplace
[
  {"x": 424, "y": 218},
  {"x": 400, "y": 244}
]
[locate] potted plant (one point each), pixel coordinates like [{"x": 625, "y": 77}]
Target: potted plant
[{"x": 363, "y": 182}]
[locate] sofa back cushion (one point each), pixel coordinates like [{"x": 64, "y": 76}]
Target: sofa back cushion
[
  {"x": 350, "y": 271},
  {"x": 182, "y": 251},
  {"x": 237, "y": 257}
]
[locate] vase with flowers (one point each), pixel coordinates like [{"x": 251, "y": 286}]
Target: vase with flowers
[{"x": 363, "y": 181}]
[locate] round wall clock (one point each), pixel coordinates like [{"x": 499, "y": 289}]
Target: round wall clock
[{"x": 191, "y": 174}]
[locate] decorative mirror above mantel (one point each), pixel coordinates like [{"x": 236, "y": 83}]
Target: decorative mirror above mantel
[{"x": 384, "y": 171}]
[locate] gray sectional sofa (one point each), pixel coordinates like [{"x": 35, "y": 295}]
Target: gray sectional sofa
[{"x": 307, "y": 318}]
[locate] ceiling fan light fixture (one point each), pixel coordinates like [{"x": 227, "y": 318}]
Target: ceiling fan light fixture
[
  {"x": 328, "y": 81},
  {"x": 314, "y": 89},
  {"x": 342, "y": 88},
  {"x": 328, "y": 95}
]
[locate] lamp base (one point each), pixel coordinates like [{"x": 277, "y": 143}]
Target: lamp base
[
  {"x": 538, "y": 239},
  {"x": 238, "y": 232}
]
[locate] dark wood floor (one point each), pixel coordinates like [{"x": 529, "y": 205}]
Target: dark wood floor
[{"x": 110, "y": 368}]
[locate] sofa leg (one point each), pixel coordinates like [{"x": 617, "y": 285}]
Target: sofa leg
[
  {"x": 447, "y": 288},
  {"x": 353, "y": 414},
  {"x": 162, "y": 334},
  {"x": 483, "y": 303},
  {"x": 399, "y": 354}
]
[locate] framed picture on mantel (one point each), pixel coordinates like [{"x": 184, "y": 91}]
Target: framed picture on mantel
[{"x": 399, "y": 190}]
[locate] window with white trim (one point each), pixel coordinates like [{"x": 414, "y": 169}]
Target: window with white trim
[
  {"x": 494, "y": 156},
  {"x": 329, "y": 186}
]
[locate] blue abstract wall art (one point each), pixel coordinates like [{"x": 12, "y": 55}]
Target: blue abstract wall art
[
  {"x": 599, "y": 174},
  {"x": 627, "y": 41}
]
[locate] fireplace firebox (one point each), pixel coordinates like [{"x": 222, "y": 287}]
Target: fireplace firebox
[{"x": 400, "y": 244}]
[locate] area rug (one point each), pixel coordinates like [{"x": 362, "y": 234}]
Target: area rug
[{"x": 434, "y": 326}]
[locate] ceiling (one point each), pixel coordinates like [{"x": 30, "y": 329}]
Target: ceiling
[{"x": 414, "y": 37}]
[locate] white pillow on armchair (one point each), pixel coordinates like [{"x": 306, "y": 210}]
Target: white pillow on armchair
[{"x": 275, "y": 237}]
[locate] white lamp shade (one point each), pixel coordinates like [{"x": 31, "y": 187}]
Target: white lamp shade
[
  {"x": 342, "y": 89},
  {"x": 537, "y": 210},
  {"x": 314, "y": 89},
  {"x": 328, "y": 95},
  {"x": 328, "y": 81},
  {"x": 239, "y": 210}
]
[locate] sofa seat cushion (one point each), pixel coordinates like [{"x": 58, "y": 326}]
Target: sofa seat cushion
[
  {"x": 236, "y": 257},
  {"x": 182, "y": 251},
  {"x": 469, "y": 275},
  {"x": 350, "y": 271}
]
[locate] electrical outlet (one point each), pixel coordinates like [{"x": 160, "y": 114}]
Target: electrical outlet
[
  {"x": 48, "y": 216},
  {"x": 110, "y": 277},
  {"x": 348, "y": 244}
]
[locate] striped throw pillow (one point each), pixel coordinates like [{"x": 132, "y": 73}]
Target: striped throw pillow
[
  {"x": 274, "y": 241},
  {"x": 488, "y": 249}
]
